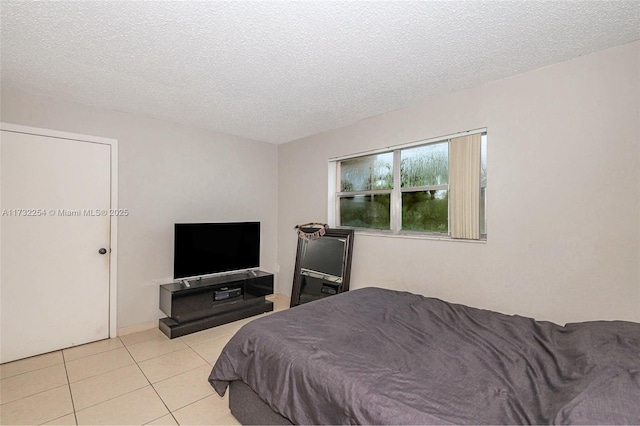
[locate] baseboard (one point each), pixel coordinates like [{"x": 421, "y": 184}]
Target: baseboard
[
  {"x": 280, "y": 300},
  {"x": 136, "y": 328}
]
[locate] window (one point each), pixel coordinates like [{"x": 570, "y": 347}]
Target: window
[
  {"x": 366, "y": 184},
  {"x": 424, "y": 178},
  {"x": 434, "y": 187}
]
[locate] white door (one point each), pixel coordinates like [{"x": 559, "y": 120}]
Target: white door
[{"x": 54, "y": 282}]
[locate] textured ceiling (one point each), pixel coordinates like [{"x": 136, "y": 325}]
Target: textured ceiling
[{"x": 279, "y": 71}]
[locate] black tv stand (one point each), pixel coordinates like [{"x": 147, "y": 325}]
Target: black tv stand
[{"x": 208, "y": 302}]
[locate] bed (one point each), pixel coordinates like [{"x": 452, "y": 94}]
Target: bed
[{"x": 376, "y": 356}]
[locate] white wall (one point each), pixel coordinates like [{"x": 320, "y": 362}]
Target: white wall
[
  {"x": 563, "y": 194},
  {"x": 167, "y": 173}
]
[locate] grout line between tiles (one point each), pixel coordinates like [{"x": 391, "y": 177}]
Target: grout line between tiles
[
  {"x": 154, "y": 389},
  {"x": 106, "y": 400},
  {"x": 107, "y": 371},
  {"x": 145, "y": 340},
  {"x": 31, "y": 371},
  {"x": 57, "y": 418},
  {"x": 88, "y": 355},
  {"x": 174, "y": 419},
  {"x": 175, "y": 375},
  {"x": 157, "y": 356},
  {"x": 33, "y": 394},
  {"x": 165, "y": 405},
  {"x": 194, "y": 402},
  {"x": 122, "y": 394},
  {"x": 201, "y": 357},
  {"x": 114, "y": 397},
  {"x": 156, "y": 339},
  {"x": 159, "y": 397},
  {"x": 73, "y": 406},
  {"x": 226, "y": 335},
  {"x": 229, "y": 335}
]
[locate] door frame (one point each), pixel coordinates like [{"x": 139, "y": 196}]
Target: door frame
[{"x": 113, "y": 231}]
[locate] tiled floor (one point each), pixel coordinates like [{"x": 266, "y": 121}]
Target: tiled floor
[{"x": 136, "y": 379}]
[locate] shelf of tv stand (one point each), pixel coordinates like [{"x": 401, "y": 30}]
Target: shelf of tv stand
[{"x": 210, "y": 302}]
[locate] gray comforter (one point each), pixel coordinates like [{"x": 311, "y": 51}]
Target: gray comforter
[{"x": 375, "y": 356}]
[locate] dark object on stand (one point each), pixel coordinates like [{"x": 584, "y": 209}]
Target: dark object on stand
[
  {"x": 209, "y": 302},
  {"x": 323, "y": 262}
]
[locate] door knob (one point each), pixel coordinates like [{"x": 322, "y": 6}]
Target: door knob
[{"x": 102, "y": 251}]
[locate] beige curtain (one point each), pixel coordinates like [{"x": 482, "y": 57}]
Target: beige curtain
[{"x": 464, "y": 187}]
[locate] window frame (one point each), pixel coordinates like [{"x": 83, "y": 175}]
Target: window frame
[{"x": 395, "y": 205}]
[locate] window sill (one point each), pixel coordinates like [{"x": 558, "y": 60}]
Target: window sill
[{"x": 414, "y": 235}]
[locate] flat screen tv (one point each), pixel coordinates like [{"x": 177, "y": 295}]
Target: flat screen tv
[
  {"x": 210, "y": 248},
  {"x": 324, "y": 255}
]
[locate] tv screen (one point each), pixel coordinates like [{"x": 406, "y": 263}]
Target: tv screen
[
  {"x": 209, "y": 248},
  {"x": 324, "y": 255}
]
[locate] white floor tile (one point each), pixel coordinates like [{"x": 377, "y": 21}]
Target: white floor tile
[
  {"x": 103, "y": 387},
  {"x": 204, "y": 335},
  {"x": 186, "y": 388},
  {"x": 226, "y": 419},
  {"x": 172, "y": 364},
  {"x": 207, "y": 411},
  {"x": 143, "y": 336},
  {"x": 30, "y": 364},
  {"x": 26, "y": 384},
  {"x": 135, "y": 408},
  {"x": 94, "y": 365},
  {"x": 210, "y": 350},
  {"x": 91, "y": 349},
  {"x": 68, "y": 420},
  {"x": 163, "y": 421},
  {"x": 37, "y": 409},
  {"x": 110, "y": 381},
  {"x": 155, "y": 348}
]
